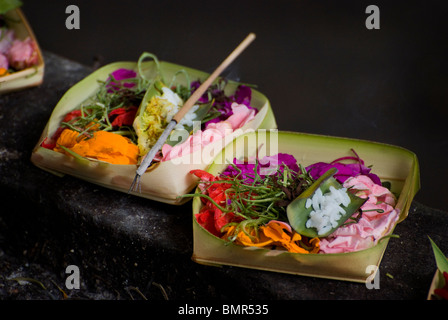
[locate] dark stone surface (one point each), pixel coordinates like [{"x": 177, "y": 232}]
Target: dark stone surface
[{"x": 133, "y": 248}]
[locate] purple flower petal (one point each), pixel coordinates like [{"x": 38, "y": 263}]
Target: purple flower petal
[
  {"x": 243, "y": 95},
  {"x": 119, "y": 75},
  {"x": 266, "y": 166},
  {"x": 122, "y": 74},
  {"x": 223, "y": 103},
  {"x": 193, "y": 86},
  {"x": 345, "y": 170}
]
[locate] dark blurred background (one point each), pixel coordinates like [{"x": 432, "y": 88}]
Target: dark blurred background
[{"x": 323, "y": 71}]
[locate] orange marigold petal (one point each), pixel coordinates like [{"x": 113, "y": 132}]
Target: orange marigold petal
[
  {"x": 275, "y": 231},
  {"x": 104, "y": 146}
]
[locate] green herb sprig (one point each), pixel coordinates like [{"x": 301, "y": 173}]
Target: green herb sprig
[
  {"x": 95, "y": 111},
  {"x": 263, "y": 199}
]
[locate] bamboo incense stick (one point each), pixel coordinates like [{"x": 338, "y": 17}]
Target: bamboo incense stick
[{"x": 135, "y": 186}]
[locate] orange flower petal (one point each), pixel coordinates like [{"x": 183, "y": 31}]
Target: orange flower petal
[
  {"x": 104, "y": 146},
  {"x": 68, "y": 139},
  {"x": 274, "y": 233}
]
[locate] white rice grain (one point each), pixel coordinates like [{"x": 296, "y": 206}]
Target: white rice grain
[{"x": 327, "y": 209}]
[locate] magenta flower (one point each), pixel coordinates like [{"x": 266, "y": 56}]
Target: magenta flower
[
  {"x": 196, "y": 84},
  {"x": 223, "y": 103},
  {"x": 243, "y": 95},
  {"x": 120, "y": 75},
  {"x": 345, "y": 170},
  {"x": 278, "y": 162},
  {"x": 266, "y": 166}
]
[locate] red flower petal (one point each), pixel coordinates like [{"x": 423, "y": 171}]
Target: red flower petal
[
  {"x": 206, "y": 219},
  {"x": 203, "y": 175},
  {"x": 72, "y": 115},
  {"x": 443, "y": 292},
  {"x": 50, "y": 142},
  {"x": 123, "y": 116}
]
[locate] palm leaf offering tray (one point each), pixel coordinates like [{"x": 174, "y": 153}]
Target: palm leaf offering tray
[
  {"x": 103, "y": 126},
  {"x": 302, "y": 204},
  {"x": 21, "y": 61}
]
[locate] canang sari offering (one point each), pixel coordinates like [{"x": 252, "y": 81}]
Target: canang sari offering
[
  {"x": 303, "y": 204},
  {"x": 103, "y": 127}
]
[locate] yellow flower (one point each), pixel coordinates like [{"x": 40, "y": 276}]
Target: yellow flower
[{"x": 153, "y": 121}]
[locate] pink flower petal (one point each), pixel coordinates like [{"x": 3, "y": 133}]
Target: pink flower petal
[
  {"x": 213, "y": 132},
  {"x": 23, "y": 54},
  {"x": 4, "y": 61},
  {"x": 378, "y": 218},
  {"x": 241, "y": 115}
]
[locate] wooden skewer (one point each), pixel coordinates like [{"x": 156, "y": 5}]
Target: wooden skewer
[
  {"x": 186, "y": 107},
  {"x": 204, "y": 86}
]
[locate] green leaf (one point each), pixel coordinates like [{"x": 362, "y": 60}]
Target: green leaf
[
  {"x": 74, "y": 154},
  {"x": 441, "y": 259},
  {"x": 7, "y": 5},
  {"x": 298, "y": 214},
  {"x": 141, "y": 72}
]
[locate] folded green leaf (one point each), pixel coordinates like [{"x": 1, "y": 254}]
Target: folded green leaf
[
  {"x": 299, "y": 213},
  {"x": 7, "y": 5},
  {"x": 441, "y": 259}
]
